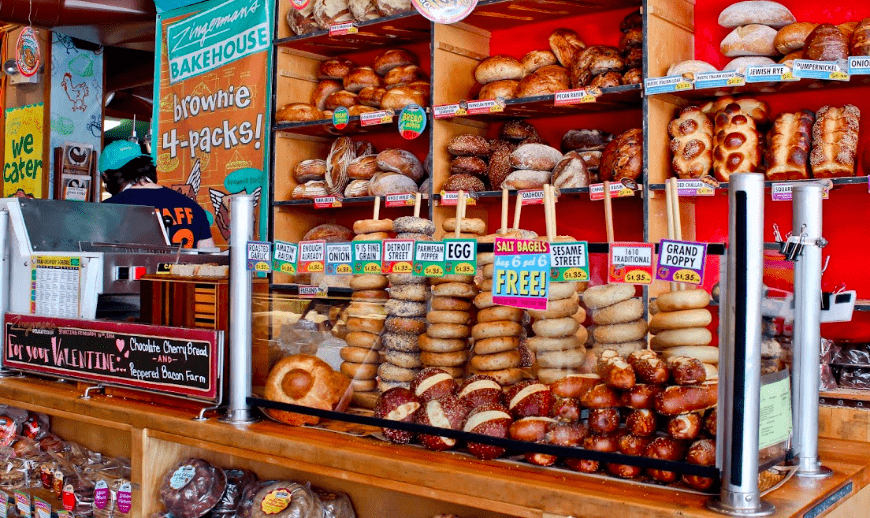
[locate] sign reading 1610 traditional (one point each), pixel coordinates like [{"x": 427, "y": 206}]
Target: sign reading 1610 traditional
[{"x": 215, "y": 37}]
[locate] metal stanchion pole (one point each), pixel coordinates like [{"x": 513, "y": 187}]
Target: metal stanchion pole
[
  {"x": 807, "y": 222},
  {"x": 5, "y": 285},
  {"x": 241, "y": 231},
  {"x": 740, "y": 351}
]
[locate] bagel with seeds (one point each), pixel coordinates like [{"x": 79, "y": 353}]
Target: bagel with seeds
[
  {"x": 619, "y": 313},
  {"x": 415, "y": 225},
  {"x": 404, "y": 308},
  {"x": 393, "y": 373},
  {"x": 409, "y": 325},
  {"x": 454, "y": 289},
  {"x": 404, "y": 359},
  {"x": 409, "y": 292},
  {"x": 400, "y": 342},
  {"x": 605, "y": 295},
  {"x": 405, "y": 278},
  {"x": 620, "y": 333}
]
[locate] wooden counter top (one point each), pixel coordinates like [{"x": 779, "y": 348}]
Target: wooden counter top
[{"x": 501, "y": 487}]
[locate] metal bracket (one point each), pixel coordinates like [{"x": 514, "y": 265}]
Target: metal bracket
[
  {"x": 87, "y": 394},
  {"x": 201, "y": 416}
]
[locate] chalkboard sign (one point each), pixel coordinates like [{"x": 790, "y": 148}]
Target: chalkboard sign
[{"x": 174, "y": 361}]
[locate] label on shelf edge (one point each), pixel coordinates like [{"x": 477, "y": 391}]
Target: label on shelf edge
[
  {"x": 769, "y": 74},
  {"x": 405, "y": 199},
  {"x": 577, "y": 96},
  {"x": 859, "y": 65},
  {"x": 340, "y": 29},
  {"x": 694, "y": 188},
  {"x": 446, "y": 111},
  {"x": 312, "y": 291},
  {"x": 660, "y": 85},
  {"x": 327, "y": 202},
  {"x": 485, "y": 106},
  {"x": 828, "y": 70},
  {"x": 451, "y": 198},
  {"x": 617, "y": 190},
  {"x": 719, "y": 79},
  {"x": 630, "y": 263},
  {"x": 781, "y": 191},
  {"x": 375, "y": 118},
  {"x": 531, "y": 196}
]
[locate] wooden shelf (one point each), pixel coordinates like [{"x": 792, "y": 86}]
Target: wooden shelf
[
  {"x": 755, "y": 89},
  {"x": 325, "y": 128},
  {"x": 293, "y": 289},
  {"x": 400, "y": 29},
  {"x": 359, "y": 200},
  {"x": 493, "y": 15},
  {"x": 855, "y": 180}
]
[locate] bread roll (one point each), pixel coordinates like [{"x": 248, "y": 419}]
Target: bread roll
[
  {"x": 538, "y": 157},
  {"x": 363, "y": 10},
  {"x": 297, "y": 112},
  {"x": 402, "y": 96},
  {"x": 322, "y": 91},
  {"x": 301, "y": 21},
  {"x": 391, "y": 59},
  {"x": 788, "y": 146},
  {"x": 517, "y": 129},
  {"x": 571, "y": 172},
  {"x": 750, "y": 40},
  {"x": 623, "y": 157},
  {"x": 335, "y": 69},
  {"x": 363, "y": 167},
  {"x": 371, "y": 96},
  {"x": 608, "y": 80},
  {"x": 526, "y": 179},
  {"x": 468, "y": 145},
  {"x": 404, "y": 75},
  {"x": 601, "y": 59},
  {"x": 758, "y": 110},
  {"x": 468, "y": 165},
  {"x": 310, "y": 190},
  {"x": 736, "y": 145},
  {"x": 826, "y": 43},
  {"x": 585, "y": 140},
  {"x": 566, "y": 46},
  {"x": 340, "y": 98},
  {"x": 634, "y": 58},
  {"x": 464, "y": 182},
  {"x": 848, "y": 28},
  {"x": 331, "y": 12},
  {"x": 860, "y": 45},
  {"x": 499, "y": 163},
  {"x": 506, "y": 89},
  {"x": 773, "y": 14},
  {"x": 391, "y": 183},
  {"x": 740, "y": 64},
  {"x": 308, "y": 170},
  {"x": 690, "y": 67},
  {"x": 691, "y": 143},
  {"x": 498, "y": 68},
  {"x": 544, "y": 81},
  {"x": 792, "y": 37},
  {"x": 360, "y": 78},
  {"x": 392, "y": 7},
  {"x": 631, "y": 39},
  {"x": 402, "y": 162},
  {"x": 341, "y": 154},
  {"x": 835, "y": 141},
  {"x": 537, "y": 59},
  {"x": 356, "y": 188},
  {"x": 329, "y": 232}
]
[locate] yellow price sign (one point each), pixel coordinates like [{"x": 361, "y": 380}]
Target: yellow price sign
[
  {"x": 402, "y": 268},
  {"x": 702, "y": 191},
  {"x": 735, "y": 81},
  {"x": 683, "y": 85},
  {"x": 787, "y": 76},
  {"x": 638, "y": 277},
  {"x": 343, "y": 269},
  {"x": 433, "y": 270},
  {"x": 576, "y": 274},
  {"x": 464, "y": 269},
  {"x": 314, "y": 268},
  {"x": 687, "y": 276},
  {"x": 839, "y": 76},
  {"x": 372, "y": 268},
  {"x": 287, "y": 268},
  {"x": 262, "y": 267}
]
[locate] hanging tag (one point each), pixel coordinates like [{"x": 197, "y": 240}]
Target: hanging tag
[
  {"x": 630, "y": 263},
  {"x": 681, "y": 261}
]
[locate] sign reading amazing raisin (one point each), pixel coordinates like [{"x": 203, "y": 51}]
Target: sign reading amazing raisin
[{"x": 174, "y": 361}]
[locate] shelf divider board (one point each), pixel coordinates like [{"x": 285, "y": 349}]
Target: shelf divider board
[{"x": 669, "y": 26}]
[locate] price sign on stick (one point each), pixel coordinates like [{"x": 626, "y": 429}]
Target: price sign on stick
[
  {"x": 398, "y": 256},
  {"x": 521, "y": 275},
  {"x": 339, "y": 259},
  {"x": 460, "y": 256},
  {"x": 630, "y": 263},
  {"x": 259, "y": 256},
  {"x": 367, "y": 257},
  {"x": 569, "y": 261},
  {"x": 312, "y": 256},
  {"x": 284, "y": 257},
  {"x": 429, "y": 258},
  {"x": 681, "y": 261}
]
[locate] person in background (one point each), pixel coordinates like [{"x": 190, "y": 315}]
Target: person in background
[{"x": 131, "y": 179}]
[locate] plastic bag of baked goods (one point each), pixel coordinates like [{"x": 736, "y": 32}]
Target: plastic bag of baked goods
[
  {"x": 335, "y": 504},
  {"x": 36, "y": 426},
  {"x": 286, "y": 499},
  {"x": 246, "y": 503},
  {"x": 191, "y": 488},
  {"x": 237, "y": 481}
]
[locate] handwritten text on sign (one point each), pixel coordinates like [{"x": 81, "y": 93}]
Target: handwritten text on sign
[
  {"x": 569, "y": 261},
  {"x": 175, "y": 361},
  {"x": 429, "y": 258},
  {"x": 339, "y": 259},
  {"x": 398, "y": 256},
  {"x": 521, "y": 275},
  {"x": 312, "y": 256},
  {"x": 630, "y": 263},
  {"x": 681, "y": 261}
]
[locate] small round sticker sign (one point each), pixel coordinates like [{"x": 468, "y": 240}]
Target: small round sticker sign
[
  {"x": 27, "y": 56},
  {"x": 412, "y": 121},
  {"x": 300, "y": 4},
  {"x": 445, "y": 11},
  {"x": 340, "y": 117}
]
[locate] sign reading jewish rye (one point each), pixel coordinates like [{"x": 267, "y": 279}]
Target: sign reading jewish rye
[{"x": 212, "y": 38}]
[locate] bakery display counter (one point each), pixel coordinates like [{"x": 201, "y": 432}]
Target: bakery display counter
[{"x": 389, "y": 480}]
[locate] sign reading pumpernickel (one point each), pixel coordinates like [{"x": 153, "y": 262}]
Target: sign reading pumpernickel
[{"x": 178, "y": 362}]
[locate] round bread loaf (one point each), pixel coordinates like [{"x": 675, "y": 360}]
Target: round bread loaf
[
  {"x": 404, "y": 75},
  {"x": 393, "y": 58},
  {"x": 297, "y": 112},
  {"x": 363, "y": 168},
  {"x": 585, "y": 140},
  {"x": 623, "y": 157},
  {"x": 505, "y": 89},
  {"x": 566, "y": 46},
  {"x": 309, "y": 170},
  {"x": 690, "y": 68},
  {"x": 544, "y": 81},
  {"x": 538, "y": 157},
  {"x": 498, "y": 68},
  {"x": 384, "y": 183},
  {"x": 322, "y": 91},
  {"x": 468, "y": 165},
  {"x": 363, "y": 10},
  {"x": 537, "y": 59},
  {"x": 341, "y": 98},
  {"x": 371, "y": 96},
  {"x": 469, "y": 145},
  {"x": 499, "y": 163},
  {"x": 402, "y": 162},
  {"x": 517, "y": 129},
  {"x": 526, "y": 179},
  {"x": 335, "y": 69},
  {"x": 464, "y": 182},
  {"x": 397, "y": 98}
]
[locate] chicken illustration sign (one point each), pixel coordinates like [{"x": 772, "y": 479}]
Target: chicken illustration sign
[{"x": 212, "y": 134}]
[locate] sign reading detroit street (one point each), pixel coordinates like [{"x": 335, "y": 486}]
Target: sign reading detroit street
[{"x": 208, "y": 40}]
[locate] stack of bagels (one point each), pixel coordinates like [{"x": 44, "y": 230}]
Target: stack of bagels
[
  {"x": 499, "y": 330},
  {"x": 679, "y": 322},
  {"x": 365, "y": 322},
  {"x": 618, "y": 318},
  {"x": 405, "y": 309},
  {"x": 445, "y": 344}
]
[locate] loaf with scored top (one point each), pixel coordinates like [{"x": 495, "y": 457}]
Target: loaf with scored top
[
  {"x": 788, "y": 146},
  {"x": 860, "y": 45},
  {"x": 835, "y": 141}
]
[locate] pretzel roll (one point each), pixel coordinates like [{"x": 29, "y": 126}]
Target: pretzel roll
[
  {"x": 641, "y": 396},
  {"x": 497, "y": 361},
  {"x": 454, "y": 289},
  {"x": 665, "y": 448},
  {"x": 364, "y": 371},
  {"x": 558, "y": 308},
  {"x": 359, "y": 355},
  {"x": 409, "y": 325},
  {"x": 619, "y": 313},
  {"x": 368, "y": 282},
  {"x": 367, "y": 325},
  {"x": 449, "y": 303},
  {"x": 400, "y": 342},
  {"x": 604, "y": 295},
  {"x": 558, "y": 290},
  {"x": 568, "y": 358},
  {"x": 448, "y": 317},
  {"x": 364, "y": 340},
  {"x": 367, "y": 226},
  {"x": 555, "y": 327},
  {"x": 497, "y": 313},
  {"x": 574, "y": 385},
  {"x": 680, "y": 319},
  {"x": 683, "y": 299},
  {"x": 496, "y": 345},
  {"x": 685, "y": 426},
  {"x": 603, "y": 420},
  {"x": 681, "y": 337},
  {"x": 701, "y": 453},
  {"x": 620, "y": 333},
  {"x": 410, "y": 292},
  {"x": 641, "y": 422},
  {"x": 445, "y": 359},
  {"x": 538, "y": 344},
  {"x": 441, "y": 345},
  {"x": 495, "y": 329},
  {"x": 469, "y": 225}
]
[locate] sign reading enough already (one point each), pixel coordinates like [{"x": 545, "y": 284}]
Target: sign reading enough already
[{"x": 175, "y": 361}]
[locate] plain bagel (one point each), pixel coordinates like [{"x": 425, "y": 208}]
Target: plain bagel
[
  {"x": 683, "y": 299},
  {"x": 485, "y": 285},
  {"x": 704, "y": 353},
  {"x": 447, "y": 331},
  {"x": 485, "y": 258},
  {"x": 359, "y": 355},
  {"x": 619, "y": 313},
  {"x": 374, "y": 236},
  {"x": 496, "y": 345},
  {"x": 558, "y": 308},
  {"x": 680, "y": 337},
  {"x": 361, "y": 385},
  {"x": 448, "y": 317},
  {"x": 469, "y": 225},
  {"x": 620, "y": 333},
  {"x": 483, "y": 300},
  {"x": 369, "y": 295},
  {"x": 497, "y": 313},
  {"x": 680, "y": 319},
  {"x": 368, "y": 226},
  {"x": 363, "y": 339},
  {"x": 561, "y": 290},
  {"x": 623, "y": 349},
  {"x": 605, "y": 295},
  {"x": 452, "y": 277},
  {"x": 538, "y": 344},
  {"x": 454, "y": 289},
  {"x": 364, "y": 371},
  {"x": 440, "y": 345},
  {"x": 450, "y": 304},
  {"x": 568, "y": 358},
  {"x": 495, "y": 329},
  {"x": 555, "y": 327},
  {"x": 497, "y": 361},
  {"x": 368, "y": 282},
  {"x": 367, "y": 325},
  {"x": 446, "y": 359}
]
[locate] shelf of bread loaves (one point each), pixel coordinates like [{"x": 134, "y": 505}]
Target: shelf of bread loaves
[{"x": 770, "y": 33}]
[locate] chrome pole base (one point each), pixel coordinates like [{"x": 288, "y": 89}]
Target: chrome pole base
[
  {"x": 819, "y": 473},
  {"x": 241, "y": 416},
  {"x": 763, "y": 509},
  {"x": 6, "y": 373}
]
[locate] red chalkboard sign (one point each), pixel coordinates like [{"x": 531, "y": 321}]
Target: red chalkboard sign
[{"x": 170, "y": 360}]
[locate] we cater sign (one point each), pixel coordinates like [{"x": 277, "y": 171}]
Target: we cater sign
[{"x": 215, "y": 37}]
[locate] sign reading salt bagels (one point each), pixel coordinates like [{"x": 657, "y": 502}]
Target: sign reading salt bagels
[
  {"x": 444, "y": 11},
  {"x": 521, "y": 273}
]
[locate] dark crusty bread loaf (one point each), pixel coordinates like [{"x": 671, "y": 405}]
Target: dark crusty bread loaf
[
  {"x": 826, "y": 43},
  {"x": 788, "y": 146}
]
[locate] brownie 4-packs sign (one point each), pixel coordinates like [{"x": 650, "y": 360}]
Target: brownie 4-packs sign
[
  {"x": 174, "y": 361},
  {"x": 212, "y": 87}
]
